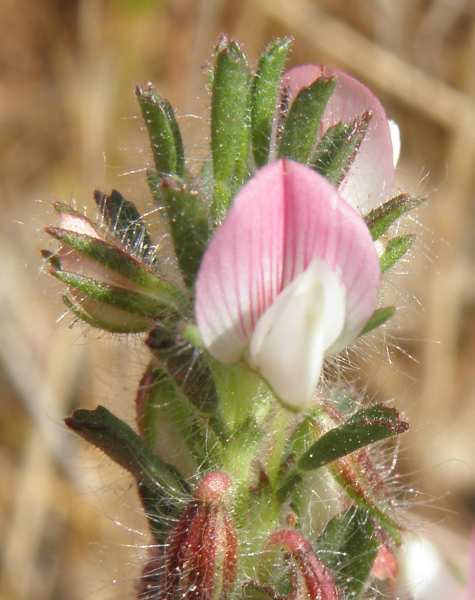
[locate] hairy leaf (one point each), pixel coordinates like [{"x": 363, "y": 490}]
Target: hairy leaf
[
  {"x": 365, "y": 427},
  {"x": 378, "y": 318},
  {"x": 396, "y": 248},
  {"x": 380, "y": 219},
  {"x": 338, "y": 148},
  {"x": 163, "y": 131},
  {"x": 265, "y": 95},
  {"x": 302, "y": 123}
]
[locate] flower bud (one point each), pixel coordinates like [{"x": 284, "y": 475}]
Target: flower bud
[
  {"x": 200, "y": 560},
  {"x": 110, "y": 289},
  {"x": 148, "y": 587}
]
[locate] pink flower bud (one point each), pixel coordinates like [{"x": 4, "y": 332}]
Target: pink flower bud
[
  {"x": 109, "y": 288},
  {"x": 200, "y": 560}
]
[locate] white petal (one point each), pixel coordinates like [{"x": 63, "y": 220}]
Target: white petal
[
  {"x": 395, "y": 140},
  {"x": 290, "y": 339}
]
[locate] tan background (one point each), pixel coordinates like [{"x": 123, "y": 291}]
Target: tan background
[{"x": 69, "y": 522}]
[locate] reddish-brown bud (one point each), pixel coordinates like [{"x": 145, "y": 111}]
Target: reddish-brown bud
[
  {"x": 148, "y": 587},
  {"x": 109, "y": 288},
  {"x": 313, "y": 576},
  {"x": 200, "y": 560}
]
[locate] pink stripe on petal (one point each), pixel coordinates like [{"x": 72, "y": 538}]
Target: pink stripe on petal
[
  {"x": 282, "y": 219},
  {"x": 371, "y": 177}
]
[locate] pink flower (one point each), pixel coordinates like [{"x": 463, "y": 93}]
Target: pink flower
[
  {"x": 290, "y": 277},
  {"x": 371, "y": 176}
]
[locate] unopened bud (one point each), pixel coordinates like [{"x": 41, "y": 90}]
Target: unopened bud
[
  {"x": 200, "y": 561},
  {"x": 110, "y": 289}
]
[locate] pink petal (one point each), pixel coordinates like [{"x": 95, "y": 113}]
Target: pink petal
[
  {"x": 469, "y": 592},
  {"x": 74, "y": 221},
  {"x": 371, "y": 177},
  {"x": 283, "y": 218}
]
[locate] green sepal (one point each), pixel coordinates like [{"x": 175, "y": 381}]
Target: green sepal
[
  {"x": 396, "y": 248},
  {"x": 156, "y": 292},
  {"x": 133, "y": 302},
  {"x": 255, "y": 591},
  {"x": 109, "y": 255},
  {"x": 188, "y": 219},
  {"x": 303, "y": 121},
  {"x": 124, "y": 221},
  {"x": 163, "y": 131},
  {"x": 378, "y": 318},
  {"x": 238, "y": 461},
  {"x": 338, "y": 148},
  {"x": 160, "y": 403},
  {"x": 161, "y": 487},
  {"x": 123, "y": 322},
  {"x": 348, "y": 546},
  {"x": 187, "y": 366},
  {"x": 380, "y": 219},
  {"x": 265, "y": 96},
  {"x": 230, "y": 124},
  {"x": 242, "y": 394},
  {"x": 367, "y": 426}
]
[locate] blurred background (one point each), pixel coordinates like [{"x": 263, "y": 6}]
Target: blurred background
[{"x": 70, "y": 523}]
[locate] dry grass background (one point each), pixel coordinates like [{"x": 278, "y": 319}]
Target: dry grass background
[{"x": 70, "y": 524}]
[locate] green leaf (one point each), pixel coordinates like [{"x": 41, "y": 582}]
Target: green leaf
[
  {"x": 338, "y": 148},
  {"x": 380, "y": 219},
  {"x": 396, "y": 248},
  {"x": 108, "y": 318},
  {"x": 188, "y": 219},
  {"x": 124, "y": 221},
  {"x": 349, "y": 545},
  {"x": 133, "y": 302},
  {"x": 230, "y": 124},
  {"x": 265, "y": 96},
  {"x": 161, "y": 487},
  {"x": 163, "y": 131},
  {"x": 365, "y": 427},
  {"x": 301, "y": 126},
  {"x": 378, "y": 318}
]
